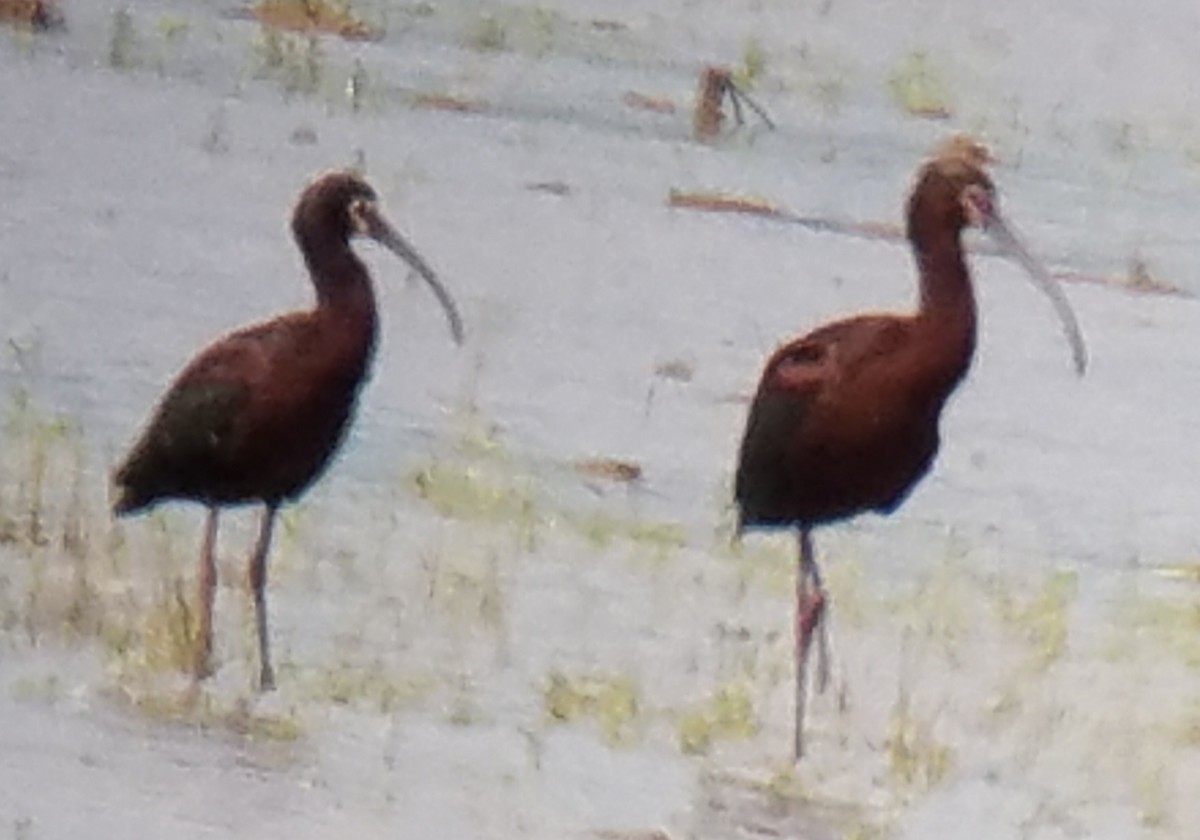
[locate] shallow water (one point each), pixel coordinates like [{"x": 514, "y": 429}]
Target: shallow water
[{"x": 144, "y": 212}]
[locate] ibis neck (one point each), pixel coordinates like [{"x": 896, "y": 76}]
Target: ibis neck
[
  {"x": 945, "y": 281},
  {"x": 343, "y": 286},
  {"x": 947, "y": 300}
]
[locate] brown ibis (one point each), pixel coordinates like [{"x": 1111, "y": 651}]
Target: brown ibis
[
  {"x": 257, "y": 416},
  {"x": 845, "y": 418}
]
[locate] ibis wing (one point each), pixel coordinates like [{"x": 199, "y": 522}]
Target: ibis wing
[
  {"x": 762, "y": 483},
  {"x": 187, "y": 443},
  {"x": 193, "y": 438},
  {"x": 855, "y": 344},
  {"x": 800, "y": 377},
  {"x": 792, "y": 381}
]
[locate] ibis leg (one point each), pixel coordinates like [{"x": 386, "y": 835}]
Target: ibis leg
[
  {"x": 810, "y": 607},
  {"x": 206, "y": 583},
  {"x": 258, "y": 584},
  {"x": 819, "y": 604}
]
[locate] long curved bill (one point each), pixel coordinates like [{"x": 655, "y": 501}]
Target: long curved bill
[
  {"x": 378, "y": 229},
  {"x": 999, "y": 230}
]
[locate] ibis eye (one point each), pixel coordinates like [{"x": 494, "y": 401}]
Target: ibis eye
[
  {"x": 358, "y": 211},
  {"x": 977, "y": 204}
]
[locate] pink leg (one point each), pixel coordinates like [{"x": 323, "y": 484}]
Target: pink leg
[
  {"x": 206, "y": 583},
  {"x": 258, "y": 584},
  {"x": 810, "y": 611}
]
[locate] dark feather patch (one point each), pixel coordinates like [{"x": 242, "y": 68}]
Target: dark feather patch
[{"x": 190, "y": 444}]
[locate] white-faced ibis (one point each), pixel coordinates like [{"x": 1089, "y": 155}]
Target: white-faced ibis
[
  {"x": 845, "y": 419},
  {"x": 258, "y": 414}
]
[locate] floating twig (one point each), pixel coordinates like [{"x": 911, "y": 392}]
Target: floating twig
[
  {"x": 724, "y": 203},
  {"x": 444, "y": 102},
  {"x": 1137, "y": 279},
  {"x": 656, "y": 104},
  {"x": 609, "y": 469}
]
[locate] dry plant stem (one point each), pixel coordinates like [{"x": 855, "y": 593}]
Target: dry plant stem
[
  {"x": 737, "y": 96},
  {"x": 810, "y": 610},
  {"x": 207, "y": 584},
  {"x": 716, "y": 83},
  {"x": 707, "y": 115},
  {"x": 258, "y": 583}
]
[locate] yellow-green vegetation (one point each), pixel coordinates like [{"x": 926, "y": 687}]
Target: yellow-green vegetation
[
  {"x": 486, "y": 33},
  {"x": 485, "y": 485},
  {"x": 127, "y": 592},
  {"x": 475, "y": 437},
  {"x": 863, "y": 831},
  {"x": 293, "y": 530},
  {"x": 917, "y": 87},
  {"x": 295, "y": 61},
  {"x": 727, "y": 715},
  {"x": 60, "y": 598},
  {"x": 602, "y": 529},
  {"x": 173, "y": 28},
  {"x": 1189, "y": 727},
  {"x": 467, "y": 587},
  {"x": 73, "y": 583},
  {"x": 43, "y": 517},
  {"x": 474, "y": 494},
  {"x": 1043, "y": 619},
  {"x": 35, "y": 445},
  {"x": 845, "y": 578},
  {"x": 939, "y": 609},
  {"x": 544, "y": 26},
  {"x": 533, "y": 30},
  {"x": 370, "y": 686},
  {"x": 78, "y": 580},
  {"x": 1166, "y": 622},
  {"x": 462, "y": 711},
  {"x": 194, "y": 707},
  {"x": 172, "y": 32},
  {"x": 659, "y": 534},
  {"x": 769, "y": 562},
  {"x": 612, "y": 701},
  {"x": 752, "y": 66},
  {"x": 155, "y": 638},
  {"x": 785, "y": 786},
  {"x": 916, "y": 758},
  {"x": 122, "y": 40},
  {"x": 10, "y": 612},
  {"x": 1152, "y": 792}
]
